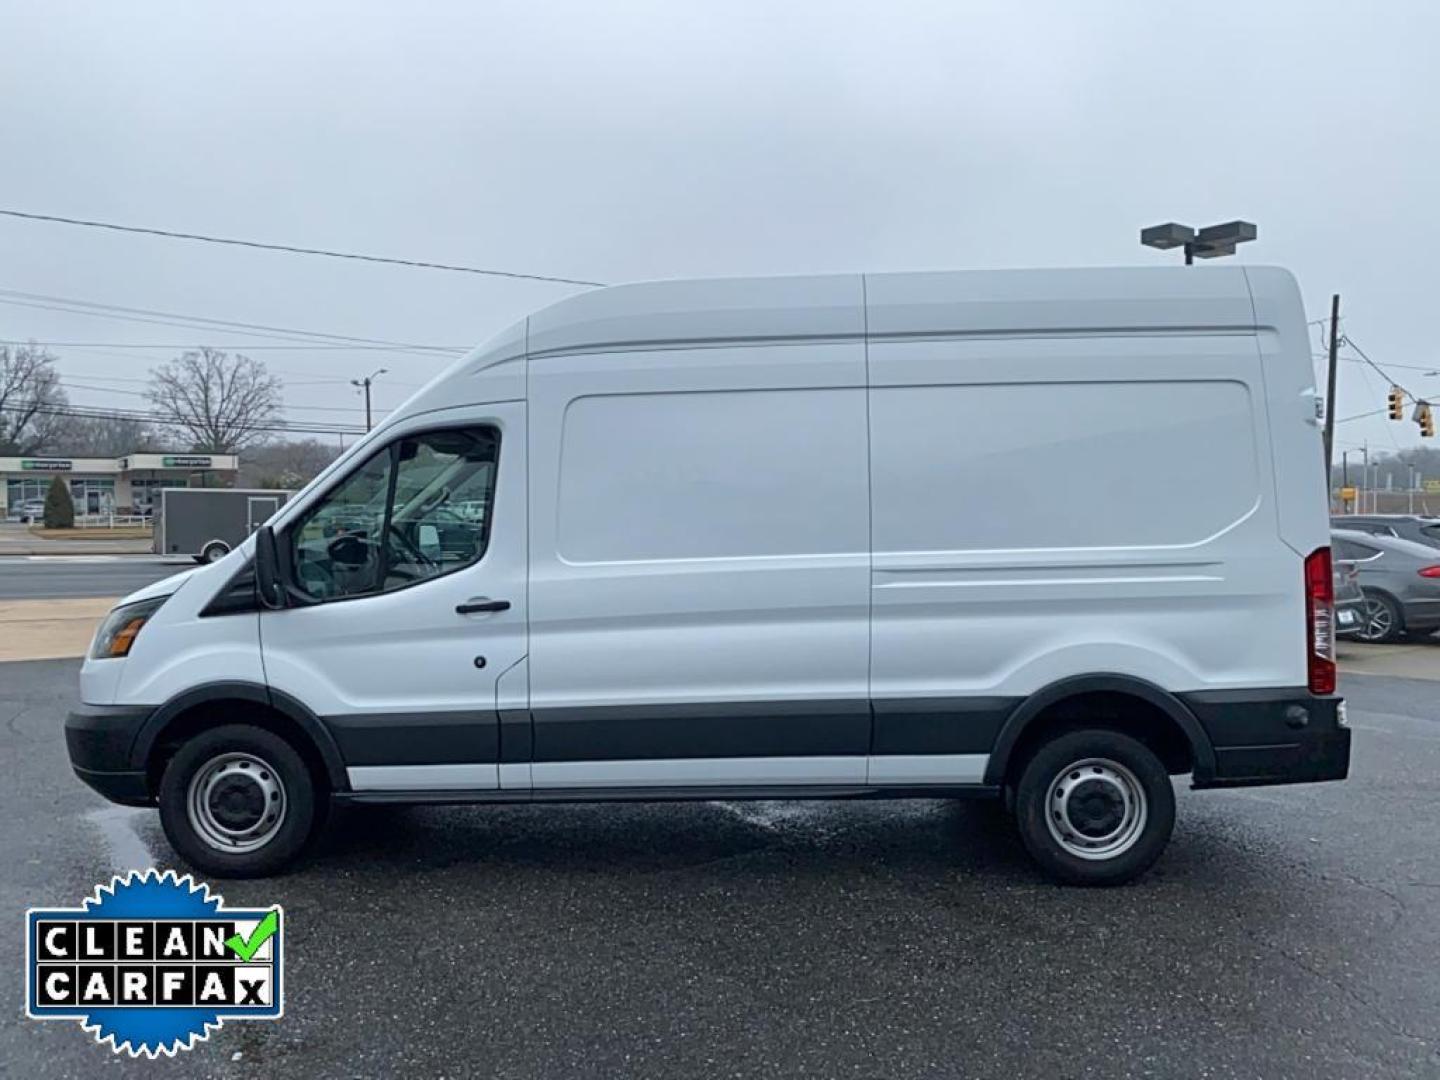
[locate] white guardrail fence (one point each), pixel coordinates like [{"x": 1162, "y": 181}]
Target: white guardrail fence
[{"x": 109, "y": 521}]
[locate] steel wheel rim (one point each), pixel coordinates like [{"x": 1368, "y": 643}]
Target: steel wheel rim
[
  {"x": 1379, "y": 621},
  {"x": 1084, "y": 832},
  {"x": 226, "y": 793}
]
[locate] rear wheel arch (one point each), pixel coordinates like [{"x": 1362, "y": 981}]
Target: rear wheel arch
[
  {"x": 217, "y": 704},
  {"x": 1123, "y": 703}
]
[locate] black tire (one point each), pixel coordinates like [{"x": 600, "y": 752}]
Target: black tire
[
  {"x": 1083, "y": 763},
  {"x": 214, "y": 552},
  {"x": 296, "y": 819},
  {"x": 1384, "y": 621}
]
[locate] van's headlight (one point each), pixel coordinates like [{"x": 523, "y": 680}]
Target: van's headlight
[{"x": 117, "y": 633}]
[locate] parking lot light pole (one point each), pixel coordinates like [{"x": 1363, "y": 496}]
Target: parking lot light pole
[
  {"x": 1208, "y": 243},
  {"x": 365, "y": 384}
]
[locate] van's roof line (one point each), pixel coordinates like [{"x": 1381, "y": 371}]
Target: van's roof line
[{"x": 685, "y": 313}]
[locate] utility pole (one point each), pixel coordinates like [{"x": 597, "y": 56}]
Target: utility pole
[
  {"x": 1330, "y": 385},
  {"x": 365, "y": 385},
  {"x": 1364, "y": 490}
]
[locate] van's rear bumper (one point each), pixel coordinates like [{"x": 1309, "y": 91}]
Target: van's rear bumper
[
  {"x": 99, "y": 739},
  {"x": 1285, "y": 736}
]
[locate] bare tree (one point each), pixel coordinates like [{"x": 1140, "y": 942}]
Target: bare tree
[
  {"x": 31, "y": 398},
  {"x": 286, "y": 464},
  {"x": 101, "y": 436},
  {"x": 224, "y": 403}
]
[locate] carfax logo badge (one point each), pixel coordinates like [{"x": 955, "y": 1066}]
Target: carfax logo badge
[{"x": 153, "y": 962}]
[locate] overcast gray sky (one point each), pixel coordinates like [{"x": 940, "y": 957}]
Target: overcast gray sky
[{"x": 620, "y": 141}]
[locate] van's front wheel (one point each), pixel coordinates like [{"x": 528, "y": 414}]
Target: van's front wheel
[
  {"x": 1095, "y": 807},
  {"x": 237, "y": 801}
]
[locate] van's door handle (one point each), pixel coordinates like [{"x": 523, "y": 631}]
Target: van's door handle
[{"x": 481, "y": 603}]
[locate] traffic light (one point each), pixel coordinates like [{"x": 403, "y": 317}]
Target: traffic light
[
  {"x": 1397, "y": 403},
  {"x": 1427, "y": 420}
]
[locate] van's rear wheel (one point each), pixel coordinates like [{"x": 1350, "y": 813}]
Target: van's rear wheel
[
  {"x": 1095, "y": 807},
  {"x": 237, "y": 801}
]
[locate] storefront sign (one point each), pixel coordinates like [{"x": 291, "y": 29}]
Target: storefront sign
[
  {"x": 45, "y": 464},
  {"x": 186, "y": 462}
]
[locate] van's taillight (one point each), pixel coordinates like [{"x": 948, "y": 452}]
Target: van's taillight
[
  {"x": 1320, "y": 621},
  {"x": 1431, "y": 571}
]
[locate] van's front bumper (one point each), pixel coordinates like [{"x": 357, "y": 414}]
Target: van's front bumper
[
  {"x": 1286, "y": 736},
  {"x": 100, "y": 739}
]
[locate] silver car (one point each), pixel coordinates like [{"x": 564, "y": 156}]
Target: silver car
[
  {"x": 1350, "y": 613},
  {"x": 1414, "y": 527},
  {"x": 29, "y": 512},
  {"x": 1400, "y": 580}
]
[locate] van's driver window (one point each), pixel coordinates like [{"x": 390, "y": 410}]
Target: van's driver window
[{"x": 415, "y": 510}]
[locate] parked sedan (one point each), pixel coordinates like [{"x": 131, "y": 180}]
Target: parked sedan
[
  {"x": 1400, "y": 581},
  {"x": 1350, "y": 614},
  {"x": 28, "y": 512},
  {"x": 1417, "y": 528}
]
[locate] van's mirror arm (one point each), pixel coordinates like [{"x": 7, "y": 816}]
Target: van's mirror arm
[{"x": 273, "y": 588}]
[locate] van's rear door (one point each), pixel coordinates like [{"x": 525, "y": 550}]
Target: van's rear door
[{"x": 1293, "y": 407}]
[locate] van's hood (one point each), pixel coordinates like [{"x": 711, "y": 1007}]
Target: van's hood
[{"x": 163, "y": 587}]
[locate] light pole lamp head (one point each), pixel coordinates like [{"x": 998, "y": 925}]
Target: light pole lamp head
[
  {"x": 1170, "y": 235},
  {"x": 1227, "y": 235}
]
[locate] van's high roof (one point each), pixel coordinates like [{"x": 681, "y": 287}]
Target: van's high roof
[
  {"x": 676, "y": 313},
  {"x": 726, "y": 311}
]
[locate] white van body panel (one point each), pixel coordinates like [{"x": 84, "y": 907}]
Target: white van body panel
[
  {"x": 180, "y": 649},
  {"x": 699, "y": 534},
  {"x": 1051, "y": 506},
  {"x": 1295, "y": 408}
]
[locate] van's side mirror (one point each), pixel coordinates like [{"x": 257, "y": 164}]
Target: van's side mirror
[{"x": 269, "y": 587}]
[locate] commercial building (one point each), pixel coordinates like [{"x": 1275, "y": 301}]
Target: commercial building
[{"x": 111, "y": 485}]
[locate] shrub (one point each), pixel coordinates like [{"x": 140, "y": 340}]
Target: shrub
[{"x": 59, "y": 507}]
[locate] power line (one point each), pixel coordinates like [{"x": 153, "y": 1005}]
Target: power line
[
  {"x": 141, "y": 394},
  {"x": 86, "y": 412},
  {"x": 71, "y": 306},
  {"x": 1428, "y": 368},
  {"x": 1383, "y": 373},
  {"x": 180, "y": 346},
  {"x": 1361, "y": 416},
  {"x": 296, "y": 250}
]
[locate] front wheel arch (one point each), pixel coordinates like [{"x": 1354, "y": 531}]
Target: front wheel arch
[{"x": 212, "y": 705}]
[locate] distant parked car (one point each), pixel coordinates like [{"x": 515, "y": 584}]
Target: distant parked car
[
  {"x": 1350, "y": 614},
  {"x": 31, "y": 511},
  {"x": 1400, "y": 580},
  {"x": 1417, "y": 528}
]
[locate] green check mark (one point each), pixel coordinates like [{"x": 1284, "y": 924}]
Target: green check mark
[{"x": 246, "y": 948}]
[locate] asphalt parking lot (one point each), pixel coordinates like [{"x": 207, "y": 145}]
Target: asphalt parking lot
[{"x": 1287, "y": 932}]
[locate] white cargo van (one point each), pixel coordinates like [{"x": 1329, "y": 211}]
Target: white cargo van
[{"x": 1051, "y": 536}]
